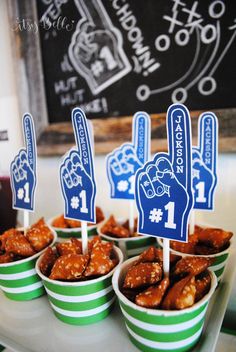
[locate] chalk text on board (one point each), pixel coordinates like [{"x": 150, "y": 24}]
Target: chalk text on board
[{"x": 135, "y": 36}]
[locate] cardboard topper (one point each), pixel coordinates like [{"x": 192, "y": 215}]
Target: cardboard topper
[
  {"x": 23, "y": 169},
  {"x": 77, "y": 173},
  {"x": 124, "y": 161},
  {"x": 163, "y": 186},
  {"x": 204, "y": 159}
]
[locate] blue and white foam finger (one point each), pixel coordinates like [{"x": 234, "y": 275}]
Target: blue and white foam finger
[
  {"x": 141, "y": 136},
  {"x": 30, "y": 139},
  {"x": 180, "y": 143},
  {"x": 83, "y": 142}
]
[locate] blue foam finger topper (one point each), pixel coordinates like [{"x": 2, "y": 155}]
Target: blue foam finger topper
[
  {"x": 204, "y": 159},
  {"x": 123, "y": 162},
  {"x": 23, "y": 169},
  {"x": 77, "y": 173},
  {"x": 163, "y": 186}
]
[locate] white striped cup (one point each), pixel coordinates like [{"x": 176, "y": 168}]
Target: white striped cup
[
  {"x": 19, "y": 280},
  {"x": 81, "y": 302},
  {"x": 130, "y": 246},
  {"x": 155, "y": 330}
]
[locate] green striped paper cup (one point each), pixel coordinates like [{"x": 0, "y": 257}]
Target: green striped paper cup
[
  {"x": 155, "y": 330},
  {"x": 72, "y": 232},
  {"x": 82, "y": 302},
  {"x": 19, "y": 280},
  {"x": 220, "y": 259},
  {"x": 130, "y": 246}
]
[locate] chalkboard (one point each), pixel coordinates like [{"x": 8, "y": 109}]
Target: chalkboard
[{"x": 114, "y": 57}]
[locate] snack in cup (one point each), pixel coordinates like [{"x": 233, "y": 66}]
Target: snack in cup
[
  {"x": 208, "y": 242},
  {"x": 19, "y": 251},
  {"x": 67, "y": 228},
  {"x": 117, "y": 231},
  {"x": 164, "y": 313},
  {"x": 79, "y": 285}
]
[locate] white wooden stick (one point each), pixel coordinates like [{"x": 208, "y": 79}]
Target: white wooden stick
[
  {"x": 131, "y": 216},
  {"x": 166, "y": 256},
  {"x": 26, "y": 220},
  {"x": 192, "y": 222},
  {"x": 84, "y": 235}
]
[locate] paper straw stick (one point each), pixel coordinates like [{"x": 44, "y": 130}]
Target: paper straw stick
[
  {"x": 131, "y": 216},
  {"x": 26, "y": 220},
  {"x": 192, "y": 222},
  {"x": 166, "y": 256},
  {"x": 84, "y": 235}
]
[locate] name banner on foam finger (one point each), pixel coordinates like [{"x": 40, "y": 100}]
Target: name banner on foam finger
[
  {"x": 123, "y": 162},
  {"x": 163, "y": 186},
  {"x": 204, "y": 162},
  {"x": 77, "y": 173},
  {"x": 23, "y": 169}
]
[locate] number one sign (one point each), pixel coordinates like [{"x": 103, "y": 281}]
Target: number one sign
[
  {"x": 163, "y": 186},
  {"x": 123, "y": 162},
  {"x": 77, "y": 173},
  {"x": 23, "y": 169},
  {"x": 204, "y": 159}
]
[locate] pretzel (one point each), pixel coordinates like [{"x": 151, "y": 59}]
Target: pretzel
[
  {"x": 93, "y": 242},
  {"x": 19, "y": 245},
  {"x": 153, "y": 254},
  {"x": 63, "y": 223},
  {"x": 112, "y": 228},
  {"x": 131, "y": 293},
  {"x": 143, "y": 274},
  {"x": 149, "y": 255},
  {"x": 72, "y": 247},
  {"x": 205, "y": 250},
  {"x": 100, "y": 262},
  {"x": 39, "y": 235},
  {"x": 99, "y": 215},
  {"x": 72, "y": 223},
  {"x": 204, "y": 241},
  {"x": 126, "y": 225},
  {"x": 203, "y": 284},
  {"x": 216, "y": 238},
  {"x": 188, "y": 247},
  {"x": 69, "y": 267},
  {"x": 47, "y": 261},
  {"x": 60, "y": 222},
  {"x": 6, "y": 235},
  {"x": 181, "y": 295},
  {"x": 6, "y": 258},
  {"x": 109, "y": 224},
  {"x": 192, "y": 265},
  {"x": 152, "y": 297}
]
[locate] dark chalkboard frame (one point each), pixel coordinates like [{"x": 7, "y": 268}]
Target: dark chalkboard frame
[{"x": 57, "y": 138}]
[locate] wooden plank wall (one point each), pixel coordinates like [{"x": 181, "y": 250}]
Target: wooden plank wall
[{"x": 109, "y": 133}]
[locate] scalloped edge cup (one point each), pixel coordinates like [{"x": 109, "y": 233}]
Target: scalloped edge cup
[
  {"x": 130, "y": 246},
  {"x": 82, "y": 302},
  {"x": 66, "y": 233},
  {"x": 155, "y": 330},
  {"x": 19, "y": 280}
]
